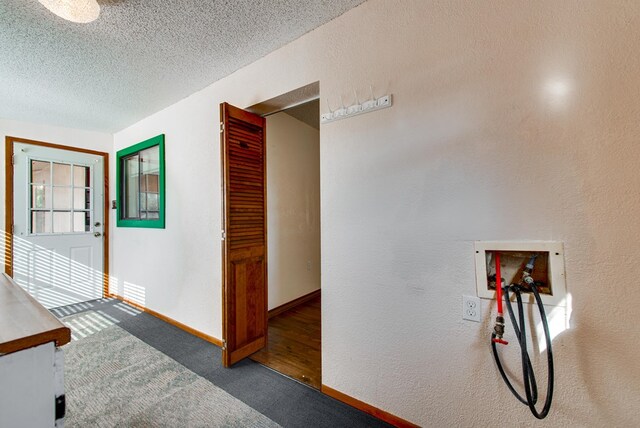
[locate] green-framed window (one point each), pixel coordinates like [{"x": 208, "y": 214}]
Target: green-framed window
[{"x": 140, "y": 184}]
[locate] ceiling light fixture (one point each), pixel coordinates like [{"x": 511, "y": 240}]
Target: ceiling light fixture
[{"x": 80, "y": 11}]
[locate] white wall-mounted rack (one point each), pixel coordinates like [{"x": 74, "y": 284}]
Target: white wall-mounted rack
[{"x": 384, "y": 101}]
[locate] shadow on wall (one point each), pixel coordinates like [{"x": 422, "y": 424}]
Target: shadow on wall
[{"x": 55, "y": 280}]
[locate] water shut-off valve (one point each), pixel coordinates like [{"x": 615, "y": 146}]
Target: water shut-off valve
[{"x": 498, "y": 328}]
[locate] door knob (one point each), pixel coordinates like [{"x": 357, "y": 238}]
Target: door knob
[
  {"x": 98, "y": 224},
  {"x": 97, "y": 234}
]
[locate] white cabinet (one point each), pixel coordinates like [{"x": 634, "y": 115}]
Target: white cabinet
[{"x": 31, "y": 364}]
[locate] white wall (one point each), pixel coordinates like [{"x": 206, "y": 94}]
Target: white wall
[
  {"x": 483, "y": 142},
  {"x": 293, "y": 208},
  {"x": 50, "y": 134}
]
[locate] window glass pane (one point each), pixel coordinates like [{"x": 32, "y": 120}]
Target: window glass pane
[
  {"x": 152, "y": 181},
  {"x": 81, "y": 176},
  {"x": 149, "y": 183},
  {"x": 152, "y": 202},
  {"x": 61, "y": 174},
  {"x": 40, "y": 196},
  {"x": 81, "y": 222},
  {"x": 150, "y": 160},
  {"x": 40, "y": 222},
  {"x": 143, "y": 202},
  {"x": 131, "y": 186},
  {"x": 40, "y": 172},
  {"x": 81, "y": 199},
  {"x": 139, "y": 185},
  {"x": 62, "y": 222},
  {"x": 62, "y": 198}
]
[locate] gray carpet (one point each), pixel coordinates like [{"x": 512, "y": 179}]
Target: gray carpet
[
  {"x": 114, "y": 379},
  {"x": 284, "y": 401}
]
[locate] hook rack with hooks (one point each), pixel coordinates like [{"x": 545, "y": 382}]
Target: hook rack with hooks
[{"x": 358, "y": 107}]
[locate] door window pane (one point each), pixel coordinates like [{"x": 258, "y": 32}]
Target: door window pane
[
  {"x": 61, "y": 221},
  {"x": 40, "y": 172},
  {"x": 62, "y": 198},
  {"x": 82, "y": 222},
  {"x": 61, "y": 174},
  {"x": 81, "y": 176},
  {"x": 40, "y": 222},
  {"x": 81, "y": 199},
  {"x": 40, "y": 196}
]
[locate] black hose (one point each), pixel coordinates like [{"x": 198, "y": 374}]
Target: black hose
[{"x": 530, "y": 386}]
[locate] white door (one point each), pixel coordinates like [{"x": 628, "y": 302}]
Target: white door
[{"x": 58, "y": 218}]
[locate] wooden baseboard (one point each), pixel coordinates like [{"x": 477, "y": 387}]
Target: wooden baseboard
[
  {"x": 367, "y": 408},
  {"x": 292, "y": 304},
  {"x": 171, "y": 321}
]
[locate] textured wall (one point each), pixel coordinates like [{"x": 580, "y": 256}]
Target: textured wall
[
  {"x": 293, "y": 208},
  {"x": 512, "y": 120}
]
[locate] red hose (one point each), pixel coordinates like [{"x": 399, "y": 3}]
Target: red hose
[{"x": 498, "y": 283}]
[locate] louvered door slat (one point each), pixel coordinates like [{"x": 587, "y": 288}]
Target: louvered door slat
[{"x": 244, "y": 247}]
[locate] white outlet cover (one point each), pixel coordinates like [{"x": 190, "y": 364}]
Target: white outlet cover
[{"x": 471, "y": 308}]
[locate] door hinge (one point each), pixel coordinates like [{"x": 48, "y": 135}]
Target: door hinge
[
  {"x": 224, "y": 345},
  {"x": 224, "y": 235},
  {"x": 13, "y": 160},
  {"x": 13, "y": 229},
  {"x": 221, "y": 127}
]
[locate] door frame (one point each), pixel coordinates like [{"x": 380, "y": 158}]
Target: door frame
[
  {"x": 8, "y": 240},
  {"x": 263, "y": 109}
]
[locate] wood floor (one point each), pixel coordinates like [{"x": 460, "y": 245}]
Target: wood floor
[{"x": 293, "y": 347}]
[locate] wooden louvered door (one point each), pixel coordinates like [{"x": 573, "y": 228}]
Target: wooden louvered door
[{"x": 244, "y": 248}]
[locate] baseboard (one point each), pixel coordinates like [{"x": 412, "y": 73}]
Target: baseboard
[
  {"x": 292, "y": 304},
  {"x": 171, "y": 321},
  {"x": 367, "y": 408}
]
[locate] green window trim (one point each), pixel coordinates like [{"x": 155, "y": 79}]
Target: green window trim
[{"x": 157, "y": 223}]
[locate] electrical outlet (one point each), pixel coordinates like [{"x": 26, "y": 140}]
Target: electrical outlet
[{"x": 471, "y": 308}]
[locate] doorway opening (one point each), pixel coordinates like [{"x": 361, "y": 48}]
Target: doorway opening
[
  {"x": 293, "y": 217},
  {"x": 288, "y": 174}
]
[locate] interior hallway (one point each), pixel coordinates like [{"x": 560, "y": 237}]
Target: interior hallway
[{"x": 294, "y": 344}]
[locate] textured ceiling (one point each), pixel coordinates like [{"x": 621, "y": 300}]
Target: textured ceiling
[{"x": 139, "y": 56}]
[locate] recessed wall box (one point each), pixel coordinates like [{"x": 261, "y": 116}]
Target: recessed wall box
[{"x": 548, "y": 272}]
